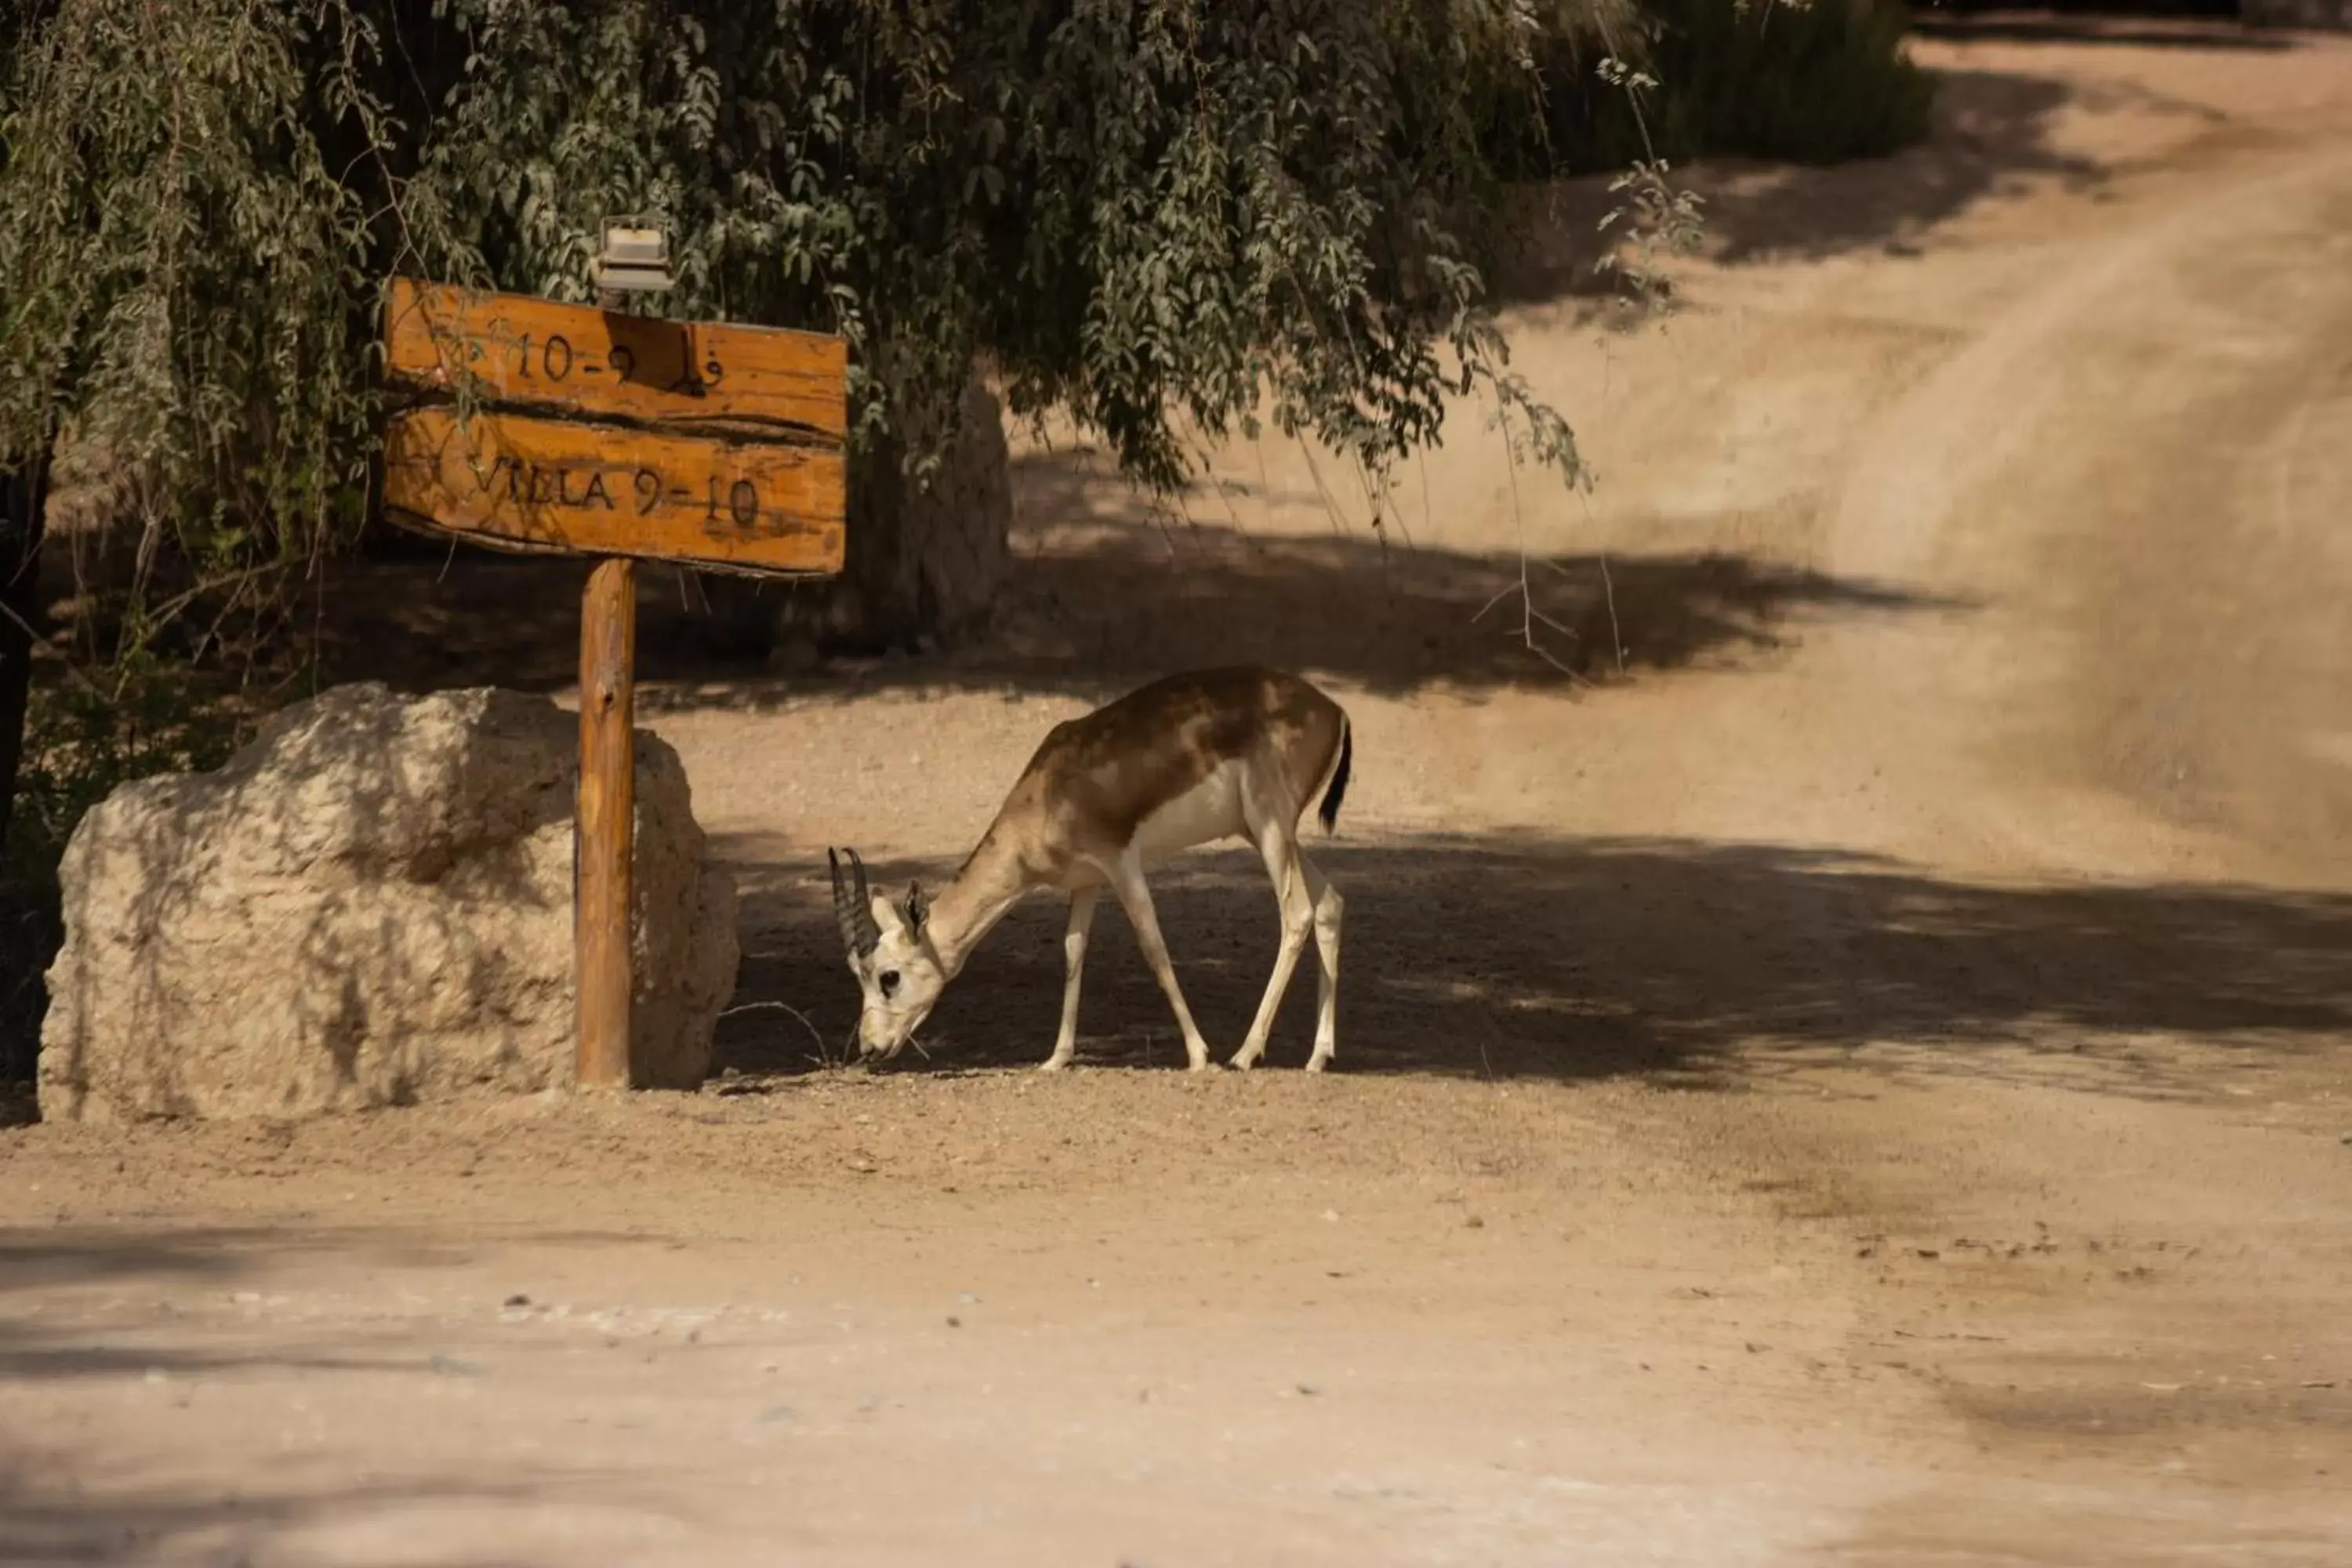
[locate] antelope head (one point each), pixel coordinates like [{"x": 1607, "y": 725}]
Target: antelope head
[{"x": 898, "y": 971}]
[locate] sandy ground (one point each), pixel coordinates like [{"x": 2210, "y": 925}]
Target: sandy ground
[{"x": 1866, "y": 1084}]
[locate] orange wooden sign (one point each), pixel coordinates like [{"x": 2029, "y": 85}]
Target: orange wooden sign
[
  {"x": 516, "y": 482},
  {"x": 577, "y": 358}
]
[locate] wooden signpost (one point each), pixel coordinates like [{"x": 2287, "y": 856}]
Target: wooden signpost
[{"x": 584, "y": 431}]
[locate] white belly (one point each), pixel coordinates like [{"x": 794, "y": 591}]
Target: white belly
[{"x": 1208, "y": 811}]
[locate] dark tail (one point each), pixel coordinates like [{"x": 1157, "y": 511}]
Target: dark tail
[{"x": 1339, "y": 790}]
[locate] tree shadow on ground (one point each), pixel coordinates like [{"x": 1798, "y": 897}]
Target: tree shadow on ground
[
  {"x": 175, "y": 1269},
  {"x": 1105, "y": 597},
  {"x": 1523, "y": 956},
  {"x": 50, "y": 1515},
  {"x": 57, "y": 1508}
]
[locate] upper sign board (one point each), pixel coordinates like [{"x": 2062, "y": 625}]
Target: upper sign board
[
  {"x": 590, "y": 431},
  {"x": 537, "y": 353}
]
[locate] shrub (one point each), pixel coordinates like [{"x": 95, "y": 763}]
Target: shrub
[{"x": 1822, "y": 82}]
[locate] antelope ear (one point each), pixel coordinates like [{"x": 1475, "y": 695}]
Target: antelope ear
[{"x": 917, "y": 907}]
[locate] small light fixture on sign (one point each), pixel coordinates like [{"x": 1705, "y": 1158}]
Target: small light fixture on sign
[{"x": 633, "y": 259}]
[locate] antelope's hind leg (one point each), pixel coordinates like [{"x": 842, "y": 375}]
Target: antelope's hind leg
[
  {"x": 1285, "y": 868},
  {"x": 1074, "y": 964},
  {"x": 1328, "y": 908}
]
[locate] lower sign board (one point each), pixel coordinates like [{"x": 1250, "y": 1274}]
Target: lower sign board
[{"x": 515, "y": 482}]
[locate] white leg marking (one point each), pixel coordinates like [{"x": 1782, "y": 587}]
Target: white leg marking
[
  {"x": 1127, "y": 881},
  {"x": 1074, "y": 964},
  {"x": 1290, "y": 896},
  {"x": 1329, "y": 907}
]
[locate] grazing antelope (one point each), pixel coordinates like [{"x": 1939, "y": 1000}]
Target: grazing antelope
[{"x": 1186, "y": 761}]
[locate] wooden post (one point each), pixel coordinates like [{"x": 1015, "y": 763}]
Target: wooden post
[
  {"x": 605, "y": 818},
  {"x": 621, "y": 438},
  {"x": 606, "y": 822}
]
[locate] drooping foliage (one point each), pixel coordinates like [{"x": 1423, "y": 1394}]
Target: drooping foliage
[
  {"x": 1141, "y": 211},
  {"x": 184, "y": 259}
]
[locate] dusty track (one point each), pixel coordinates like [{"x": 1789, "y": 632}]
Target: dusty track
[{"x": 1867, "y": 1088}]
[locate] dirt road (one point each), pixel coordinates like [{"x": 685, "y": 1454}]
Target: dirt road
[{"x": 1867, "y": 1086}]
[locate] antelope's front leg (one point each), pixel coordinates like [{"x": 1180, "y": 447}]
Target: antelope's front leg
[
  {"x": 1074, "y": 962},
  {"x": 1135, "y": 897}
]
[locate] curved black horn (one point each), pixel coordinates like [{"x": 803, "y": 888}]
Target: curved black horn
[
  {"x": 853, "y": 906},
  {"x": 870, "y": 933},
  {"x": 853, "y": 909},
  {"x": 840, "y": 897}
]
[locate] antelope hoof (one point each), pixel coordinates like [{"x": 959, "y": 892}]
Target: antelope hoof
[
  {"x": 1052, "y": 1064},
  {"x": 1245, "y": 1059}
]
